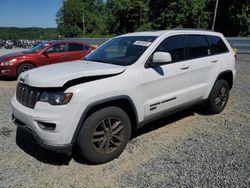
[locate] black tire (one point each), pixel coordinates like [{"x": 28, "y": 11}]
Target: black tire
[
  {"x": 104, "y": 135},
  {"x": 218, "y": 97},
  {"x": 24, "y": 67}
]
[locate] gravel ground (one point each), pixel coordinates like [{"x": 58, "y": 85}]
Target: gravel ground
[{"x": 187, "y": 149}]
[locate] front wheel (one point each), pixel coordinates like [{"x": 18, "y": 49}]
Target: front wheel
[
  {"x": 24, "y": 67},
  {"x": 104, "y": 135},
  {"x": 218, "y": 97}
]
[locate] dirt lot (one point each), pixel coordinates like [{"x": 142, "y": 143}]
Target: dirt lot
[{"x": 187, "y": 149}]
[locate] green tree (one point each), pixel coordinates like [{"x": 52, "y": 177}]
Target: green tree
[
  {"x": 233, "y": 17},
  {"x": 69, "y": 18},
  {"x": 181, "y": 13},
  {"x": 240, "y": 18},
  {"x": 28, "y": 33},
  {"x": 123, "y": 16},
  {"x": 129, "y": 15}
]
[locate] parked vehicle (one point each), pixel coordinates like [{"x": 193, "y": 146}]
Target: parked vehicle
[
  {"x": 125, "y": 83},
  {"x": 47, "y": 53}
]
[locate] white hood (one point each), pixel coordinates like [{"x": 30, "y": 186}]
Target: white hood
[{"x": 58, "y": 74}]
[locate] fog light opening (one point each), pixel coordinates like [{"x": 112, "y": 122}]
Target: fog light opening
[{"x": 47, "y": 126}]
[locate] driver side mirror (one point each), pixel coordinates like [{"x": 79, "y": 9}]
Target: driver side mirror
[
  {"x": 160, "y": 58},
  {"x": 45, "y": 53}
]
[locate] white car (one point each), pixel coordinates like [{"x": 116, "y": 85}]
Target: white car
[{"x": 128, "y": 81}]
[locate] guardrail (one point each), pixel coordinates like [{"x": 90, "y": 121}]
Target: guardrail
[
  {"x": 91, "y": 41},
  {"x": 242, "y": 44}
]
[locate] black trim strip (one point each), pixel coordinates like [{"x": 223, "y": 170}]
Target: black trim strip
[
  {"x": 87, "y": 79},
  {"x": 168, "y": 100},
  {"x": 153, "y": 108},
  {"x": 158, "y": 103},
  {"x": 155, "y": 104}
]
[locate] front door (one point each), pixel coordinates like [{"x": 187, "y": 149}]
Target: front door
[
  {"x": 54, "y": 54},
  {"x": 168, "y": 86}
]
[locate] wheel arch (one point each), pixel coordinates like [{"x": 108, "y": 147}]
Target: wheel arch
[
  {"x": 124, "y": 102},
  {"x": 227, "y": 76},
  {"x": 24, "y": 62}
]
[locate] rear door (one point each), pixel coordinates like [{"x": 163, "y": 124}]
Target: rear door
[
  {"x": 204, "y": 65},
  {"x": 77, "y": 51},
  {"x": 168, "y": 86}
]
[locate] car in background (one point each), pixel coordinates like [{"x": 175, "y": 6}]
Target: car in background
[{"x": 13, "y": 64}]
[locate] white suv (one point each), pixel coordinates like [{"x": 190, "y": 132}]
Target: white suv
[{"x": 126, "y": 82}]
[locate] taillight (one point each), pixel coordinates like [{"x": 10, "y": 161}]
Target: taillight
[{"x": 235, "y": 52}]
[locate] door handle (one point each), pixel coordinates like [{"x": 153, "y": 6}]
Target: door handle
[
  {"x": 184, "y": 67},
  {"x": 214, "y": 61}
]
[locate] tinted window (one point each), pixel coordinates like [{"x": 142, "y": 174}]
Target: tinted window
[
  {"x": 56, "y": 48},
  {"x": 198, "y": 46},
  {"x": 216, "y": 45},
  {"x": 77, "y": 47},
  {"x": 175, "y": 45},
  {"x": 37, "y": 48}
]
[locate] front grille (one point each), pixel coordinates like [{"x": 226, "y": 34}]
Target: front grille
[{"x": 26, "y": 95}]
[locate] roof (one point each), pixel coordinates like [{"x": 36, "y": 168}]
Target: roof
[
  {"x": 178, "y": 30},
  {"x": 63, "y": 41}
]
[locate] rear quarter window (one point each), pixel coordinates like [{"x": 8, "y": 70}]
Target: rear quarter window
[{"x": 216, "y": 44}]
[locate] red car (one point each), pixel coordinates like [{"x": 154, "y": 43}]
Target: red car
[{"x": 47, "y": 53}]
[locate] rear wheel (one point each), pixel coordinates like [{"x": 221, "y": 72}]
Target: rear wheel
[
  {"x": 218, "y": 97},
  {"x": 24, "y": 67},
  {"x": 104, "y": 135}
]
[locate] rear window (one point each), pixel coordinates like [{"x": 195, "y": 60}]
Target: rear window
[
  {"x": 77, "y": 47},
  {"x": 198, "y": 46},
  {"x": 216, "y": 44}
]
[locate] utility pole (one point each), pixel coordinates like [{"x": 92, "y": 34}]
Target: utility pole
[
  {"x": 83, "y": 26},
  {"x": 140, "y": 13},
  {"x": 215, "y": 13}
]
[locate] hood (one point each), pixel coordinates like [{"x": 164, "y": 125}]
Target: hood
[
  {"x": 11, "y": 55},
  {"x": 58, "y": 75}
]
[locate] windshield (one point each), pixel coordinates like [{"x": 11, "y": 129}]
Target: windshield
[
  {"x": 122, "y": 50},
  {"x": 37, "y": 48}
]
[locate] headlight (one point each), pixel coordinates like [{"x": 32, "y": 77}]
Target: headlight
[
  {"x": 5, "y": 63},
  {"x": 55, "y": 98}
]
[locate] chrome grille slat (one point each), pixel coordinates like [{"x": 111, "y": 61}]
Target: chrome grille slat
[{"x": 26, "y": 95}]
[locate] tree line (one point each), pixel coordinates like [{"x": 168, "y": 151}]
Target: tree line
[
  {"x": 106, "y": 18},
  {"x": 32, "y": 33},
  {"x": 77, "y": 18}
]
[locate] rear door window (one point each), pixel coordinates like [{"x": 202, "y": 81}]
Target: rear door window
[
  {"x": 175, "y": 45},
  {"x": 76, "y": 47},
  {"x": 216, "y": 44},
  {"x": 198, "y": 46}
]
